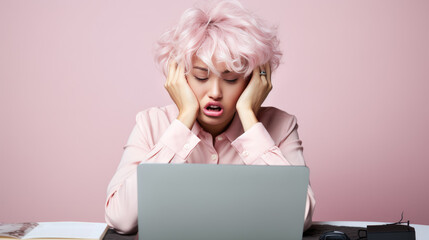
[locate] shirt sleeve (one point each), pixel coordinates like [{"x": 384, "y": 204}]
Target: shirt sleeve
[
  {"x": 175, "y": 145},
  {"x": 256, "y": 147}
]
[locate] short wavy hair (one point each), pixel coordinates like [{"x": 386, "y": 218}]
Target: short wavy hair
[{"x": 223, "y": 31}]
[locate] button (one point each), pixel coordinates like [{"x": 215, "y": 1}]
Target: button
[
  {"x": 214, "y": 157},
  {"x": 220, "y": 138},
  {"x": 245, "y": 153},
  {"x": 187, "y": 146}
]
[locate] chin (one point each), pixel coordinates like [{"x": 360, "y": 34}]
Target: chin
[{"x": 212, "y": 121}]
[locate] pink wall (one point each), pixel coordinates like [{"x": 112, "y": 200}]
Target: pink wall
[{"x": 73, "y": 74}]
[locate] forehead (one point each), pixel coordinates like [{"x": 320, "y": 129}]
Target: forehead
[{"x": 220, "y": 66}]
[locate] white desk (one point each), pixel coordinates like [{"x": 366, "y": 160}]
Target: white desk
[{"x": 422, "y": 231}]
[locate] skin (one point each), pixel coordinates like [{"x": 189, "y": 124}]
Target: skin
[{"x": 237, "y": 94}]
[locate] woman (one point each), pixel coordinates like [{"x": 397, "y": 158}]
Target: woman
[{"x": 218, "y": 64}]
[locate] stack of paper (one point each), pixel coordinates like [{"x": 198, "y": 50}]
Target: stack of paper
[{"x": 53, "y": 230}]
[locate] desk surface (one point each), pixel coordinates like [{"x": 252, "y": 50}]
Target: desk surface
[{"x": 350, "y": 228}]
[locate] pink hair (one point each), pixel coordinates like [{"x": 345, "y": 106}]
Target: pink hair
[{"x": 224, "y": 31}]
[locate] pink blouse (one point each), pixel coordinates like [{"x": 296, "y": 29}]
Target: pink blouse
[{"x": 158, "y": 137}]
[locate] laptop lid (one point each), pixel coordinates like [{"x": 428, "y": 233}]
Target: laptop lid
[{"x": 205, "y": 201}]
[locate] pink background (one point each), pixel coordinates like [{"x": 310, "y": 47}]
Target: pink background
[{"x": 73, "y": 74}]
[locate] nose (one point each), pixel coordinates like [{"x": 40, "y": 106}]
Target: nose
[{"x": 215, "y": 91}]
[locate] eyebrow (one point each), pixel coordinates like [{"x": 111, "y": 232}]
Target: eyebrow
[{"x": 206, "y": 70}]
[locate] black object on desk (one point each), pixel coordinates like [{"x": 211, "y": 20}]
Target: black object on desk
[
  {"x": 390, "y": 232},
  {"x": 113, "y": 235},
  {"x": 317, "y": 230},
  {"x": 334, "y": 235}
]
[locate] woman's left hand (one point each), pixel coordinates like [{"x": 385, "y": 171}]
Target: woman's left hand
[{"x": 254, "y": 95}]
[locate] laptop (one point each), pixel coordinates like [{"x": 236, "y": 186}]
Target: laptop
[{"x": 221, "y": 202}]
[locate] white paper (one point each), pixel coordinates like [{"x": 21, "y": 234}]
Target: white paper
[{"x": 67, "y": 230}]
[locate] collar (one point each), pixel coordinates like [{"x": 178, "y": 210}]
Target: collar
[{"x": 235, "y": 129}]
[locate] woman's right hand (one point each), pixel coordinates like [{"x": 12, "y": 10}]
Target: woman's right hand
[{"x": 182, "y": 94}]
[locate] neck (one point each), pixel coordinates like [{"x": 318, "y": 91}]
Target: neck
[{"x": 215, "y": 130}]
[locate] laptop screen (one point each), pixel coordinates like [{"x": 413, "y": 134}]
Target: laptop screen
[{"x": 204, "y": 201}]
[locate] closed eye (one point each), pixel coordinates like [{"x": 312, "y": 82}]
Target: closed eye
[
  {"x": 201, "y": 79},
  {"x": 231, "y": 80}
]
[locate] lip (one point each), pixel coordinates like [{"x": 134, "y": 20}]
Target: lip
[{"x": 213, "y": 113}]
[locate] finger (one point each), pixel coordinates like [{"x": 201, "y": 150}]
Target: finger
[
  {"x": 262, "y": 69},
  {"x": 172, "y": 66},
  {"x": 176, "y": 73},
  {"x": 256, "y": 73},
  {"x": 180, "y": 72},
  {"x": 171, "y": 70},
  {"x": 268, "y": 70}
]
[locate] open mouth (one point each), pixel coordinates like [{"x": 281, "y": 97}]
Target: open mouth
[{"x": 213, "y": 109}]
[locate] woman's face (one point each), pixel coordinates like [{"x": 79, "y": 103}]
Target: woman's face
[{"x": 217, "y": 95}]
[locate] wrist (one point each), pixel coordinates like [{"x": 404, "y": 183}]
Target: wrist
[
  {"x": 188, "y": 118},
  {"x": 247, "y": 118}
]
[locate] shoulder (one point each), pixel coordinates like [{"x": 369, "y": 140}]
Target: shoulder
[
  {"x": 151, "y": 123},
  {"x": 278, "y": 123},
  {"x": 273, "y": 115},
  {"x": 157, "y": 114}
]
